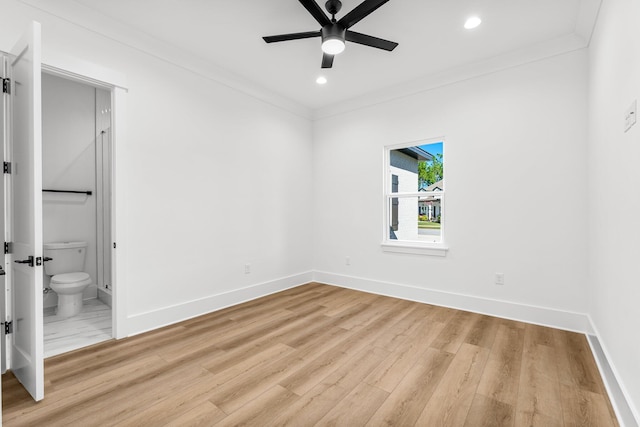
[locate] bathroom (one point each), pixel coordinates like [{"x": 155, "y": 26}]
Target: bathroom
[{"x": 76, "y": 207}]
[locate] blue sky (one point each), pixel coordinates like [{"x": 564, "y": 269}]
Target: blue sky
[{"x": 435, "y": 148}]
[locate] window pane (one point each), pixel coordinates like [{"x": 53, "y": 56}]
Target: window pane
[
  {"x": 418, "y": 218},
  {"x": 418, "y": 168},
  {"x": 430, "y": 218},
  {"x": 415, "y": 192}
]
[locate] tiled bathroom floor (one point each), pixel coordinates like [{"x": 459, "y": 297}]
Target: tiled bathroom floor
[{"x": 91, "y": 326}]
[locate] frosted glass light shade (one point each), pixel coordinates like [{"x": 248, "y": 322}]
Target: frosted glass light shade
[
  {"x": 472, "y": 23},
  {"x": 332, "y": 46}
]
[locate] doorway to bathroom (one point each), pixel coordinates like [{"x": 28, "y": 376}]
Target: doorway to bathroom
[
  {"x": 76, "y": 207},
  {"x": 21, "y": 138}
]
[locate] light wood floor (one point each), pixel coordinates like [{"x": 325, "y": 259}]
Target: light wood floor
[{"x": 321, "y": 355}]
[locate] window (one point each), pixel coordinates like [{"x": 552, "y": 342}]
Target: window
[{"x": 414, "y": 198}]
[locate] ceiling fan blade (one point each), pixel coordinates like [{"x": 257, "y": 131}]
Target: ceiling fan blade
[
  {"x": 327, "y": 60},
  {"x": 362, "y": 10},
  {"x": 292, "y": 36},
  {"x": 366, "y": 40},
  {"x": 315, "y": 10}
]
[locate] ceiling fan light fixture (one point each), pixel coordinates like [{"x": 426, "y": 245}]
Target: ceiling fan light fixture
[
  {"x": 335, "y": 32},
  {"x": 333, "y": 46},
  {"x": 333, "y": 37},
  {"x": 472, "y": 22}
]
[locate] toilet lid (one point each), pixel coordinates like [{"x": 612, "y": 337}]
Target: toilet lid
[{"x": 70, "y": 277}]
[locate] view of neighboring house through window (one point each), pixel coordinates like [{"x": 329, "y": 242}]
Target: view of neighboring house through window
[{"x": 415, "y": 193}]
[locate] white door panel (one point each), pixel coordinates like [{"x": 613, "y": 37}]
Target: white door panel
[
  {"x": 4, "y": 126},
  {"x": 26, "y": 206}
]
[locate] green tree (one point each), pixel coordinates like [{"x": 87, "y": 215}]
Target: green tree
[{"x": 430, "y": 172}]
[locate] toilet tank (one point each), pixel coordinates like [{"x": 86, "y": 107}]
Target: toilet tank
[{"x": 67, "y": 257}]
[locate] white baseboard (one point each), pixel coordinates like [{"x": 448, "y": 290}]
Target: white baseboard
[
  {"x": 628, "y": 415},
  {"x": 144, "y": 322},
  {"x": 105, "y": 296},
  {"x": 577, "y": 322}
]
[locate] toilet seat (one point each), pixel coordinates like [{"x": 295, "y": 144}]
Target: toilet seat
[{"x": 78, "y": 278}]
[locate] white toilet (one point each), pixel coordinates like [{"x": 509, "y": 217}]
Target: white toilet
[{"x": 68, "y": 281}]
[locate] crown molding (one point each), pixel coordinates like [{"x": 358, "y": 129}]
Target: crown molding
[
  {"x": 103, "y": 25},
  {"x": 537, "y": 52}
]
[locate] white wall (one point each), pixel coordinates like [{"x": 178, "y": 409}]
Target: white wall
[
  {"x": 516, "y": 141},
  {"x": 614, "y": 198},
  {"x": 199, "y": 156},
  {"x": 68, "y": 163}
]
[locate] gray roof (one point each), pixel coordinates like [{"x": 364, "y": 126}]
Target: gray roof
[
  {"x": 436, "y": 186},
  {"x": 416, "y": 153}
]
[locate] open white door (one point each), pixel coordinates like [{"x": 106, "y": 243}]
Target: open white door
[
  {"x": 26, "y": 213},
  {"x": 4, "y": 138}
]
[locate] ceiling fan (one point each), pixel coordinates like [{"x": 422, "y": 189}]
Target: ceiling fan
[{"x": 335, "y": 33}]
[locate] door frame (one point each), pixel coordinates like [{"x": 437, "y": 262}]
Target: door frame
[{"x": 114, "y": 82}]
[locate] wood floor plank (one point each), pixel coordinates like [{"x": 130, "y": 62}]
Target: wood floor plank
[
  {"x": 241, "y": 335},
  {"x": 539, "y": 389},
  {"x": 414, "y": 321},
  {"x": 205, "y": 414},
  {"x": 350, "y": 301},
  {"x": 487, "y": 412},
  {"x": 453, "y": 397},
  {"x": 233, "y": 394},
  {"x": 255, "y": 362},
  {"x": 583, "y": 408},
  {"x": 321, "y": 355},
  {"x": 540, "y": 335},
  {"x": 501, "y": 377},
  {"x": 27, "y": 411},
  {"x": 393, "y": 369},
  {"x": 483, "y": 332},
  {"x": 309, "y": 374},
  {"x": 407, "y": 401},
  {"x": 330, "y": 336},
  {"x": 181, "y": 401},
  {"x": 72, "y": 367},
  {"x": 356, "y": 408},
  {"x": 338, "y": 298},
  {"x": 455, "y": 332},
  {"x": 296, "y": 333},
  {"x": 576, "y": 365},
  {"x": 376, "y": 308},
  {"x": 115, "y": 408},
  {"x": 316, "y": 403},
  {"x": 262, "y": 410}
]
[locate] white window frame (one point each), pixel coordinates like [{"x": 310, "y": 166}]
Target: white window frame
[{"x": 411, "y": 246}]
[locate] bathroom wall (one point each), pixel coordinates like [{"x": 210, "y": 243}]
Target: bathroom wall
[{"x": 68, "y": 163}]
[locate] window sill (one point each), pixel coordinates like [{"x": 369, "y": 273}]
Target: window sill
[{"x": 433, "y": 249}]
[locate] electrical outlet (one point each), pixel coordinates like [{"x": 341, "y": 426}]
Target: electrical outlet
[
  {"x": 347, "y": 260},
  {"x": 500, "y": 279},
  {"x": 247, "y": 268}
]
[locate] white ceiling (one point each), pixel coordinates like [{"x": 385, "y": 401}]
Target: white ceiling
[{"x": 227, "y": 34}]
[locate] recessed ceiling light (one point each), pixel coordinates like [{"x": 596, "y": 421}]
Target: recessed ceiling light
[
  {"x": 472, "y": 22},
  {"x": 321, "y": 80}
]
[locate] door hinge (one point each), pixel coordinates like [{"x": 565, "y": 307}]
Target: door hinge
[
  {"x": 8, "y": 247},
  {"x": 7, "y": 167},
  {"x": 8, "y": 327},
  {"x": 6, "y": 86}
]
